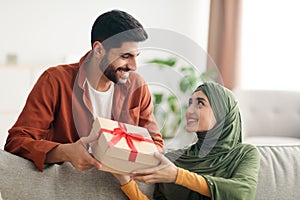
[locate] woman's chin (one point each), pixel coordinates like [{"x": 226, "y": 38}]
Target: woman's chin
[{"x": 190, "y": 129}]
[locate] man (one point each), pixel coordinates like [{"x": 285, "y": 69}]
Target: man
[{"x": 59, "y": 112}]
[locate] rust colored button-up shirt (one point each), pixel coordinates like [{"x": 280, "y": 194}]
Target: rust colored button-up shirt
[{"x": 58, "y": 110}]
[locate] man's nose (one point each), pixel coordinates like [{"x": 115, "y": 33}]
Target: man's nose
[{"x": 132, "y": 64}]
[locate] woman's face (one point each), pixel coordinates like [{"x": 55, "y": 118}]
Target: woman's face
[{"x": 199, "y": 114}]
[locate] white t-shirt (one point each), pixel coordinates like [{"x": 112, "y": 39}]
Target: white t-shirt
[{"x": 101, "y": 101}]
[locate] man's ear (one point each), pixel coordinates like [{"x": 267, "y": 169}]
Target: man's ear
[{"x": 98, "y": 49}]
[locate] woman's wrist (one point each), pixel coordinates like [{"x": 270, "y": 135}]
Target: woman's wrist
[
  {"x": 123, "y": 179},
  {"x": 175, "y": 170},
  {"x": 178, "y": 175}
]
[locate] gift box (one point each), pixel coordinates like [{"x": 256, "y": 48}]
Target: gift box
[{"x": 122, "y": 148}]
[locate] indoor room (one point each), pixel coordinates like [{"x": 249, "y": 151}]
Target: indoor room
[{"x": 247, "y": 47}]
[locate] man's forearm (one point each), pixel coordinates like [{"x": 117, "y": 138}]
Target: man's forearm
[{"x": 57, "y": 154}]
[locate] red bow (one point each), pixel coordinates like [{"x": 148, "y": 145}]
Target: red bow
[{"x": 120, "y": 132}]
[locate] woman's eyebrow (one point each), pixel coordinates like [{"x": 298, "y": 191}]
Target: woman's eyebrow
[{"x": 200, "y": 99}]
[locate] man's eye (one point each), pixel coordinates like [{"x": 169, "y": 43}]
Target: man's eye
[{"x": 125, "y": 56}]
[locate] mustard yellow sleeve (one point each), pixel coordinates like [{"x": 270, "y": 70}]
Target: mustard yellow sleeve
[
  {"x": 132, "y": 191},
  {"x": 192, "y": 181}
]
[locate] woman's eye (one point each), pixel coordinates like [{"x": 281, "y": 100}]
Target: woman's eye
[
  {"x": 200, "y": 103},
  {"x": 190, "y": 102}
]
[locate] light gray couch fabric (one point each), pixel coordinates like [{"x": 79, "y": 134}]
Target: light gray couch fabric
[
  {"x": 278, "y": 179},
  {"x": 279, "y": 176}
]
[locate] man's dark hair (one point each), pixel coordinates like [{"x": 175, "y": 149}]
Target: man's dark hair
[{"x": 115, "y": 27}]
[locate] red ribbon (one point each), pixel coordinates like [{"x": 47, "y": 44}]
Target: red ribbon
[{"x": 120, "y": 132}]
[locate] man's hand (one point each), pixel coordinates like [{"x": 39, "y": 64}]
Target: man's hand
[
  {"x": 166, "y": 172},
  {"x": 78, "y": 155},
  {"x": 75, "y": 153}
]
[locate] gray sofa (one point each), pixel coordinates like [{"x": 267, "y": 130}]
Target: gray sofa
[
  {"x": 279, "y": 178},
  {"x": 20, "y": 179}
]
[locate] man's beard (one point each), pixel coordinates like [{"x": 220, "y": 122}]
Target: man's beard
[{"x": 111, "y": 73}]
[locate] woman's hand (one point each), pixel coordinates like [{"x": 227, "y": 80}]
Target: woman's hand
[{"x": 166, "y": 172}]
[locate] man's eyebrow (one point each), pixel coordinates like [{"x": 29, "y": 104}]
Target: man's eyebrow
[{"x": 130, "y": 54}]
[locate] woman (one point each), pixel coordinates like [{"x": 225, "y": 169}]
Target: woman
[{"x": 218, "y": 166}]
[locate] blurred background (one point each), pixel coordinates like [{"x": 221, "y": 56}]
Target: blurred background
[{"x": 253, "y": 44}]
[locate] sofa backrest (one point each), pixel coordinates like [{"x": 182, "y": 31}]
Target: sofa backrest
[{"x": 269, "y": 113}]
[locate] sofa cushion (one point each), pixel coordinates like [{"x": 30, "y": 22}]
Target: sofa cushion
[{"x": 279, "y": 175}]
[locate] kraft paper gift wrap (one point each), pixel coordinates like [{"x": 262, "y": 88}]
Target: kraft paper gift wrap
[{"x": 122, "y": 148}]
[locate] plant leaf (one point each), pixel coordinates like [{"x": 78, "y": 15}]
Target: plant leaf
[
  {"x": 158, "y": 98},
  {"x": 167, "y": 62}
]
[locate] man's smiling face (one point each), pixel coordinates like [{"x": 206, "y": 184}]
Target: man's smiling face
[{"x": 118, "y": 62}]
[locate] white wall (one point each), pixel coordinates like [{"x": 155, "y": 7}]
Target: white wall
[
  {"x": 47, "y": 32},
  {"x": 270, "y": 49},
  {"x": 43, "y": 33}
]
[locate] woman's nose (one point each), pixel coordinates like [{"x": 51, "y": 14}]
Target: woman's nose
[{"x": 189, "y": 109}]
